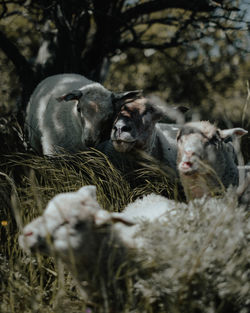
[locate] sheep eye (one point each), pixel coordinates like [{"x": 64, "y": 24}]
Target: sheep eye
[{"x": 214, "y": 141}]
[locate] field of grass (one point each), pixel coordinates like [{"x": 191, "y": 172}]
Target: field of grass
[{"x": 199, "y": 261}]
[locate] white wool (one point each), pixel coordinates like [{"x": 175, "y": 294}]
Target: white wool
[
  {"x": 207, "y": 239},
  {"x": 150, "y": 208},
  {"x": 65, "y": 210},
  {"x": 60, "y": 216}
]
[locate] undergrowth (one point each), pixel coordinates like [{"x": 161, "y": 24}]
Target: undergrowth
[
  {"x": 198, "y": 261},
  {"x": 27, "y": 183}
]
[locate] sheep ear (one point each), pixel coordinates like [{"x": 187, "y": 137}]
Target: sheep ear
[
  {"x": 103, "y": 217},
  {"x": 178, "y": 136},
  {"x": 126, "y": 95},
  {"x": 159, "y": 114},
  {"x": 73, "y": 95},
  {"x": 156, "y": 113},
  {"x": 90, "y": 190},
  {"x": 122, "y": 220},
  {"x": 238, "y": 132},
  {"x": 119, "y": 98},
  {"x": 118, "y": 218}
]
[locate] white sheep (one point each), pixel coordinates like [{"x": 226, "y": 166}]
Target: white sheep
[
  {"x": 150, "y": 253},
  {"x": 206, "y": 162},
  {"x": 68, "y": 112},
  {"x": 67, "y": 210},
  {"x": 95, "y": 245}
]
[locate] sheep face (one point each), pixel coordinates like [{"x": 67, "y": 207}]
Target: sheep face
[
  {"x": 134, "y": 125},
  {"x": 72, "y": 227},
  {"x": 203, "y": 153},
  {"x": 95, "y": 108},
  {"x": 56, "y": 231},
  {"x": 35, "y": 237}
]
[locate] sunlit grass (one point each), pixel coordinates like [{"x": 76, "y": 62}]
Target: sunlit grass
[
  {"x": 189, "y": 248},
  {"x": 28, "y": 182}
]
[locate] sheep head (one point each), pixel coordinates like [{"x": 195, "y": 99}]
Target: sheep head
[
  {"x": 70, "y": 222},
  {"x": 95, "y": 108},
  {"x": 134, "y": 125},
  {"x": 203, "y": 152}
]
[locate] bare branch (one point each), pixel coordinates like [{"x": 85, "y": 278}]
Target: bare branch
[
  {"x": 3, "y": 3},
  {"x": 158, "y": 5},
  {"x": 23, "y": 68}
]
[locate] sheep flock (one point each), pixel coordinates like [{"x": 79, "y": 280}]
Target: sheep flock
[{"x": 107, "y": 209}]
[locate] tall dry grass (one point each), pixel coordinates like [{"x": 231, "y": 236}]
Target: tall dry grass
[{"x": 199, "y": 261}]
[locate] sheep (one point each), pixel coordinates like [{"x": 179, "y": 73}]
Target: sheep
[
  {"x": 69, "y": 210},
  {"x": 68, "y": 113},
  {"x": 74, "y": 228},
  {"x": 143, "y": 259},
  {"x": 207, "y": 163},
  {"x": 136, "y": 128}
]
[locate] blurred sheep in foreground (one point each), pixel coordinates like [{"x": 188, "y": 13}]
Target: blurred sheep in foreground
[
  {"x": 156, "y": 256},
  {"x": 68, "y": 113},
  {"x": 207, "y": 163},
  {"x": 96, "y": 246}
]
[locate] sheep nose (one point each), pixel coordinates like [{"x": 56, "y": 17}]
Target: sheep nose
[
  {"x": 188, "y": 153},
  {"x": 121, "y": 129}
]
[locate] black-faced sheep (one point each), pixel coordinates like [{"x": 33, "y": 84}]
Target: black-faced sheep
[{"x": 136, "y": 128}]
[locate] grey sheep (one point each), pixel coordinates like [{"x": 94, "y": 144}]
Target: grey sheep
[{"x": 68, "y": 113}]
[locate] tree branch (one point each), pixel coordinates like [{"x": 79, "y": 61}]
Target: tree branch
[
  {"x": 147, "y": 45},
  {"x": 4, "y": 6},
  {"x": 22, "y": 66},
  {"x": 158, "y": 5}
]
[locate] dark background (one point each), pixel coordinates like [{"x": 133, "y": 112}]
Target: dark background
[{"x": 193, "y": 53}]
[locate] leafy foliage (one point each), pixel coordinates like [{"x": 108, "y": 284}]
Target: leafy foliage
[{"x": 201, "y": 44}]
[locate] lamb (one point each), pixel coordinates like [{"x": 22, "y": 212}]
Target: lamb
[
  {"x": 75, "y": 229},
  {"x": 68, "y": 113},
  {"x": 136, "y": 128},
  {"x": 207, "y": 163},
  {"x": 47, "y": 233},
  {"x": 142, "y": 259}
]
